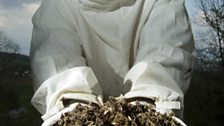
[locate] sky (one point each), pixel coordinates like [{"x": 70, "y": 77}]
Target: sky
[{"x": 15, "y": 20}]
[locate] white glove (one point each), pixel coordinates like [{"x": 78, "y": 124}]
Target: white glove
[
  {"x": 53, "y": 119},
  {"x": 162, "y": 107}
]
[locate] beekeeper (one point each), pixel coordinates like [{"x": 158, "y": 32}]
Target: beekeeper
[{"x": 84, "y": 50}]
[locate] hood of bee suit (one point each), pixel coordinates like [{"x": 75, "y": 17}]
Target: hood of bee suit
[{"x": 105, "y": 5}]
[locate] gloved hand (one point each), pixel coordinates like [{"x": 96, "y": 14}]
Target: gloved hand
[
  {"x": 52, "y": 120},
  {"x": 70, "y": 105},
  {"x": 159, "y": 106}
]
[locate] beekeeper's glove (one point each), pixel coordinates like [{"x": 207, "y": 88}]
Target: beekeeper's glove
[
  {"x": 70, "y": 105},
  {"x": 52, "y": 120},
  {"x": 154, "y": 103}
]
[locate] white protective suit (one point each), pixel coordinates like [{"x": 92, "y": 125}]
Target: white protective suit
[{"x": 86, "y": 48}]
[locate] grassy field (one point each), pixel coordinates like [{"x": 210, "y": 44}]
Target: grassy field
[{"x": 204, "y": 101}]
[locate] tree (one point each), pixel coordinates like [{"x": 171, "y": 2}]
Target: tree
[
  {"x": 212, "y": 15},
  {"x": 6, "y": 44}
]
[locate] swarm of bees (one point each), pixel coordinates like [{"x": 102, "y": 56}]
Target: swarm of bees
[{"x": 116, "y": 113}]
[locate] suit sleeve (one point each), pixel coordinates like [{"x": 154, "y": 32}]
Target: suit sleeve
[
  {"x": 57, "y": 59},
  {"x": 163, "y": 66}
]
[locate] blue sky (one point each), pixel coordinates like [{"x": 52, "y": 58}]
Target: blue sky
[{"x": 15, "y": 20}]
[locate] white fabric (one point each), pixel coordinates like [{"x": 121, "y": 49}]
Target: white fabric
[
  {"x": 75, "y": 83},
  {"x": 180, "y": 121},
  {"x": 85, "y": 48}
]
